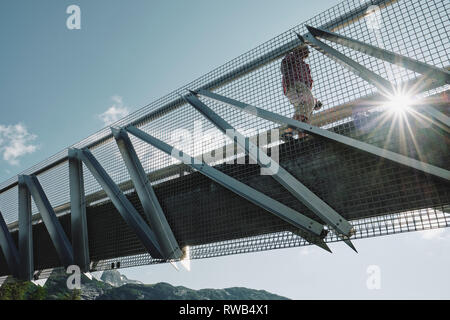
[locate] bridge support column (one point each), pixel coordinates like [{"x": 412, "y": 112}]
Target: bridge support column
[
  {"x": 9, "y": 248},
  {"x": 311, "y": 230},
  {"x": 295, "y": 187},
  {"x": 25, "y": 232},
  {"x": 147, "y": 196},
  {"x": 80, "y": 241},
  {"x": 54, "y": 228},
  {"x": 122, "y": 204}
]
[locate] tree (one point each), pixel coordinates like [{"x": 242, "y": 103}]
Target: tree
[
  {"x": 40, "y": 293},
  {"x": 14, "y": 290},
  {"x": 74, "y": 294}
]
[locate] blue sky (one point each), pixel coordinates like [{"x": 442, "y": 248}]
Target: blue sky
[{"x": 58, "y": 86}]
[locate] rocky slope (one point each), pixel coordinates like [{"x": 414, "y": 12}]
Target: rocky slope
[{"x": 115, "y": 279}]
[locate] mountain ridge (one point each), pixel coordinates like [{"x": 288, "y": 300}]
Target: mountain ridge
[{"x": 112, "y": 285}]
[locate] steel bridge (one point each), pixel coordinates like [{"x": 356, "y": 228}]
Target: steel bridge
[{"x": 135, "y": 193}]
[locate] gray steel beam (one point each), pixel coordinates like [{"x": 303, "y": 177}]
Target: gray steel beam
[
  {"x": 312, "y": 230},
  {"x": 25, "y": 232},
  {"x": 78, "y": 218},
  {"x": 383, "y": 153},
  {"x": 9, "y": 248},
  {"x": 438, "y": 74},
  {"x": 54, "y": 228},
  {"x": 437, "y": 115},
  {"x": 383, "y": 85},
  {"x": 281, "y": 175},
  {"x": 122, "y": 204},
  {"x": 429, "y": 71},
  {"x": 152, "y": 208}
]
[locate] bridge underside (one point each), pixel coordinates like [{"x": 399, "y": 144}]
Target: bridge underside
[{"x": 201, "y": 212}]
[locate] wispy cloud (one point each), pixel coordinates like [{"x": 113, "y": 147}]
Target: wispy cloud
[
  {"x": 15, "y": 142},
  {"x": 433, "y": 234},
  {"x": 115, "y": 112}
]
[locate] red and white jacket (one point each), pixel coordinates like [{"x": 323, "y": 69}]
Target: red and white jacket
[{"x": 294, "y": 69}]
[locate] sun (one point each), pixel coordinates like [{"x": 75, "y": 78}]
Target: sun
[{"x": 399, "y": 103}]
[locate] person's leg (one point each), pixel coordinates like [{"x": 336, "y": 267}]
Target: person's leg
[
  {"x": 304, "y": 107},
  {"x": 301, "y": 118},
  {"x": 286, "y": 132}
]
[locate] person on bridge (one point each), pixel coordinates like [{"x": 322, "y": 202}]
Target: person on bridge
[{"x": 297, "y": 84}]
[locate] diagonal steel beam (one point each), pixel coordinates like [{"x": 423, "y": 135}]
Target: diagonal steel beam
[
  {"x": 147, "y": 196},
  {"x": 383, "y": 153},
  {"x": 54, "y": 228},
  {"x": 78, "y": 218},
  {"x": 437, "y": 115},
  {"x": 311, "y": 230},
  {"x": 281, "y": 175},
  {"x": 383, "y": 85},
  {"x": 122, "y": 204},
  {"x": 430, "y": 72},
  {"x": 25, "y": 232},
  {"x": 9, "y": 248},
  {"x": 441, "y": 75}
]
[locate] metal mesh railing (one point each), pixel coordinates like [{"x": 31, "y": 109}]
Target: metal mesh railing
[{"x": 414, "y": 28}]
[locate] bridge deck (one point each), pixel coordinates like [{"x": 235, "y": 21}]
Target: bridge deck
[{"x": 355, "y": 184}]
